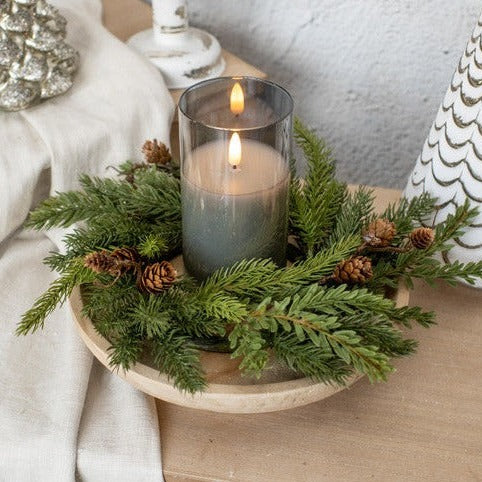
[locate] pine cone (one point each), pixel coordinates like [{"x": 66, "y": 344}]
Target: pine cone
[
  {"x": 156, "y": 152},
  {"x": 422, "y": 238},
  {"x": 126, "y": 258},
  {"x": 102, "y": 262},
  {"x": 157, "y": 277},
  {"x": 355, "y": 270},
  {"x": 379, "y": 233},
  {"x": 126, "y": 254}
]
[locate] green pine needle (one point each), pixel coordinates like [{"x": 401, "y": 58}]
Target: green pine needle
[
  {"x": 310, "y": 360},
  {"x": 406, "y": 214},
  {"x": 355, "y": 212},
  {"x": 175, "y": 356},
  {"x": 316, "y": 200},
  {"x": 55, "y": 296}
]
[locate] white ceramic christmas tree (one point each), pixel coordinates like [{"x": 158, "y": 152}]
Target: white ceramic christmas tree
[
  {"x": 35, "y": 61},
  {"x": 450, "y": 165}
]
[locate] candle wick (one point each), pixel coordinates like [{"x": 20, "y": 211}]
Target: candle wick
[{"x": 235, "y": 166}]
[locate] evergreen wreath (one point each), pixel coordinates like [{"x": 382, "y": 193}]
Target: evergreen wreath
[{"x": 326, "y": 316}]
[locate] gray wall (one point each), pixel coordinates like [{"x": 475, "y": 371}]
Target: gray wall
[{"x": 369, "y": 75}]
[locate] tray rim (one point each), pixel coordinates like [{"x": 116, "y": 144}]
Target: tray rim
[{"x": 227, "y": 398}]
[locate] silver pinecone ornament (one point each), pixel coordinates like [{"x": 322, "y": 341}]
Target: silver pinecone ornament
[
  {"x": 450, "y": 165},
  {"x": 35, "y": 61}
]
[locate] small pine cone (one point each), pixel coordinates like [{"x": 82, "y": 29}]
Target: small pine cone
[
  {"x": 130, "y": 178},
  {"x": 126, "y": 258},
  {"x": 379, "y": 233},
  {"x": 422, "y": 238},
  {"x": 156, "y": 152},
  {"x": 126, "y": 254},
  {"x": 101, "y": 262},
  {"x": 355, "y": 270},
  {"x": 157, "y": 277}
]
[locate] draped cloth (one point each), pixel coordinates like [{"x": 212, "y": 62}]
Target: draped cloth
[{"x": 63, "y": 417}]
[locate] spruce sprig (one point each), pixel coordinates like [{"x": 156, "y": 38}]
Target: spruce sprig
[
  {"x": 257, "y": 278},
  {"x": 103, "y": 199},
  {"x": 354, "y": 301},
  {"x": 125, "y": 350},
  {"x": 355, "y": 212},
  {"x": 317, "y": 199},
  {"x": 175, "y": 355},
  {"x": 247, "y": 342},
  {"x": 406, "y": 214},
  {"x": 310, "y": 360},
  {"x": 55, "y": 296},
  {"x": 324, "y": 331},
  {"x": 423, "y": 264},
  {"x": 354, "y": 325}
]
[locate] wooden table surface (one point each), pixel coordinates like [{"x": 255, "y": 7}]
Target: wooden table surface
[{"x": 424, "y": 424}]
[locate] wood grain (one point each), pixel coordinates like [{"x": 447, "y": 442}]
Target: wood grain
[{"x": 425, "y": 424}]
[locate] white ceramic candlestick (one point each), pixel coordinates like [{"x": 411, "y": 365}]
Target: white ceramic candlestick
[
  {"x": 169, "y": 16},
  {"x": 183, "y": 54}
]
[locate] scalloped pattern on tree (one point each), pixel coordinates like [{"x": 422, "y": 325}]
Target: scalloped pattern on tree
[{"x": 450, "y": 165}]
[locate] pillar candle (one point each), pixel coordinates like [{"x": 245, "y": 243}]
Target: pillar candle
[{"x": 235, "y": 213}]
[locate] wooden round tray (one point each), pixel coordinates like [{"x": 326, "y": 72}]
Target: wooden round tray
[{"x": 278, "y": 389}]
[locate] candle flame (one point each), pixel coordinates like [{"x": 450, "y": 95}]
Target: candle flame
[
  {"x": 237, "y": 99},
  {"x": 234, "y": 156}
]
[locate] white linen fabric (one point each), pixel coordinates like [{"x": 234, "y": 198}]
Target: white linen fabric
[{"x": 63, "y": 417}]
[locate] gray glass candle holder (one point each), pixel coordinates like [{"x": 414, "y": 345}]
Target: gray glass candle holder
[{"x": 235, "y": 139}]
